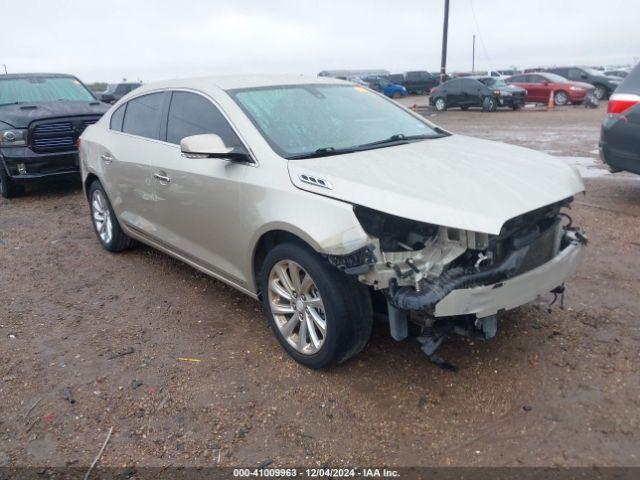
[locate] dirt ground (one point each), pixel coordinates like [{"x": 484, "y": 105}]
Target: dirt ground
[{"x": 187, "y": 372}]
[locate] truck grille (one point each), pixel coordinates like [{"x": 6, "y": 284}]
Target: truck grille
[{"x": 58, "y": 136}]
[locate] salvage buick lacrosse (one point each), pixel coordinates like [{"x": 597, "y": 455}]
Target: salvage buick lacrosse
[{"x": 331, "y": 204}]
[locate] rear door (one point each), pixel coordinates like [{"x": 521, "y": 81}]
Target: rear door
[
  {"x": 127, "y": 161},
  {"x": 198, "y": 212}
]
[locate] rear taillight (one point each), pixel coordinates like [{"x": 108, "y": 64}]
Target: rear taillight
[{"x": 621, "y": 102}]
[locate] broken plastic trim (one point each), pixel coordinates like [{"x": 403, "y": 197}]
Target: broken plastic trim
[{"x": 354, "y": 263}]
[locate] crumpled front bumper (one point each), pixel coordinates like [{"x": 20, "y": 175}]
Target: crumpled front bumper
[{"x": 487, "y": 300}]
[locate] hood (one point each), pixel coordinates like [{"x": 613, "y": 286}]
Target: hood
[
  {"x": 510, "y": 88},
  {"x": 586, "y": 86},
  {"x": 455, "y": 181},
  {"x": 21, "y": 115}
]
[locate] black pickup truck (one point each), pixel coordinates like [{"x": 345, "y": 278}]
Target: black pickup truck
[
  {"x": 41, "y": 117},
  {"x": 420, "y": 82}
]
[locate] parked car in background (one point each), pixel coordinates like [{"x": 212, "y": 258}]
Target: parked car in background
[
  {"x": 419, "y": 82},
  {"x": 620, "y": 135},
  {"x": 41, "y": 117},
  {"x": 488, "y": 93},
  {"x": 344, "y": 197},
  {"x": 391, "y": 90},
  {"x": 541, "y": 85},
  {"x": 115, "y": 91},
  {"x": 604, "y": 85}
]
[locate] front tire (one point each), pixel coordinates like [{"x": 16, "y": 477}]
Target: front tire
[
  {"x": 600, "y": 92},
  {"x": 319, "y": 315},
  {"x": 489, "y": 104},
  {"x": 440, "y": 104},
  {"x": 8, "y": 189},
  {"x": 105, "y": 223},
  {"x": 561, "y": 98}
]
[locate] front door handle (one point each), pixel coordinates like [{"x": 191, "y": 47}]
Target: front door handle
[
  {"x": 163, "y": 179},
  {"x": 106, "y": 158}
]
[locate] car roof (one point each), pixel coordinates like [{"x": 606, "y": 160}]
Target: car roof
[
  {"x": 232, "y": 82},
  {"x": 35, "y": 75}
]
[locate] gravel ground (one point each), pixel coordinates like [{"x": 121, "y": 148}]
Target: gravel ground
[{"x": 187, "y": 372}]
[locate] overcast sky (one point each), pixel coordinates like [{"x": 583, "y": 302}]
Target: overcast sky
[{"x": 108, "y": 40}]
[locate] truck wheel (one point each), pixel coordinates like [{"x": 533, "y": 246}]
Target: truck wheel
[
  {"x": 440, "y": 104},
  {"x": 319, "y": 315},
  {"x": 105, "y": 223},
  {"x": 560, "y": 98},
  {"x": 8, "y": 189}
]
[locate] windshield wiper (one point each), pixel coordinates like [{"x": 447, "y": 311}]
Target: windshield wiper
[
  {"x": 323, "y": 152},
  {"x": 397, "y": 138},
  {"x": 10, "y": 103}
]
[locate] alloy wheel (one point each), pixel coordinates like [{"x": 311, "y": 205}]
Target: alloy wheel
[
  {"x": 560, "y": 99},
  {"x": 440, "y": 104},
  {"x": 102, "y": 217},
  {"x": 599, "y": 92},
  {"x": 297, "y": 307}
]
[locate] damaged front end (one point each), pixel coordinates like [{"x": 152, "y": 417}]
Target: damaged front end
[{"x": 438, "y": 276}]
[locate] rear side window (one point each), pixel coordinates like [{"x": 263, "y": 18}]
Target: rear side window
[
  {"x": 192, "y": 114},
  {"x": 517, "y": 79},
  {"x": 117, "y": 117},
  {"x": 143, "y": 115}
]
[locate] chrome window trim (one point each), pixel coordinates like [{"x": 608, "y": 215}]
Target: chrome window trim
[{"x": 235, "y": 129}]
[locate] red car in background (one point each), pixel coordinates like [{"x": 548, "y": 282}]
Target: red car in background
[{"x": 539, "y": 86}]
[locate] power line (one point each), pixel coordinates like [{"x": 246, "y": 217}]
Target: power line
[{"x": 475, "y": 19}]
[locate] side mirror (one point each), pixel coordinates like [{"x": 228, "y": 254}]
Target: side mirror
[
  {"x": 584, "y": 76},
  {"x": 211, "y": 145},
  {"x": 546, "y": 84},
  {"x": 107, "y": 98}
]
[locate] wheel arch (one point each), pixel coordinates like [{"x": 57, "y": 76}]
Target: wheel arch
[
  {"x": 91, "y": 177},
  {"x": 269, "y": 239}
]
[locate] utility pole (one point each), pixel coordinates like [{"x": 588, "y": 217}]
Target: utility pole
[
  {"x": 473, "y": 58},
  {"x": 445, "y": 35}
]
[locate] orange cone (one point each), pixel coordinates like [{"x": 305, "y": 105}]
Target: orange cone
[{"x": 550, "y": 105}]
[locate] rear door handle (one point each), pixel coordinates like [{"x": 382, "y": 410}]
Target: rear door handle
[
  {"x": 106, "y": 158},
  {"x": 163, "y": 179}
]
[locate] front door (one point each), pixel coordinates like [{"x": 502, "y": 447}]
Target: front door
[{"x": 198, "y": 212}]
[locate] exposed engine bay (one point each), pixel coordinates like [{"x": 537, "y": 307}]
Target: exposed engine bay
[{"x": 417, "y": 265}]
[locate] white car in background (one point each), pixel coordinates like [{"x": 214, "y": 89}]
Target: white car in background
[{"x": 328, "y": 201}]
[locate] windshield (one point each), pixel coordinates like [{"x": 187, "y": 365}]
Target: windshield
[
  {"x": 42, "y": 89},
  {"x": 593, "y": 71},
  {"x": 298, "y": 120},
  {"x": 493, "y": 82}
]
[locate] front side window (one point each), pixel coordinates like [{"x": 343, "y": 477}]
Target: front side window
[
  {"x": 42, "y": 89},
  {"x": 143, "y": 115},
  {"x": 192, "y": 114}
]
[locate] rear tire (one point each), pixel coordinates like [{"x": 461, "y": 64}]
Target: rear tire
[
  {"x": 296, "y": 282},
  {"x": 8, "y": 189},
  {"x": 105, "y": 222}
]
